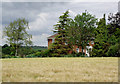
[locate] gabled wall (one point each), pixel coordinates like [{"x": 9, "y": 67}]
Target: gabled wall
[
  {"x": 74, "y": 46},
  {"x": 49, "y": 42}
]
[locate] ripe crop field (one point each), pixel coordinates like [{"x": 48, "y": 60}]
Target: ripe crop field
[{"x": 60, "y": 69}]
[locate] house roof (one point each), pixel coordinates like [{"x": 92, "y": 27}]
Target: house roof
[{"x": 53, "y": 36}]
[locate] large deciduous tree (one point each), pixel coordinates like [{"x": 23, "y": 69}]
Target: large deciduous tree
[
  {"x": 17, "y": 35},
  {"x": 80, "y": 30}
]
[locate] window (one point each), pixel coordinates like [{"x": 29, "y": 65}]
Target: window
[
  {"x": 77, "y": 49},
  {"x": 53, "y": 40},
  {"x": 83, "y": 50},
  {"x": 92, "y": 42},
  {"x": 65, "y": 43}
]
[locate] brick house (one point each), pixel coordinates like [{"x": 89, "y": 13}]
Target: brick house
[{"x": 77, "y": 49}]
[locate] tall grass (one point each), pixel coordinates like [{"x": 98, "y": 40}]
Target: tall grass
[{"x": 60, "y": 70}]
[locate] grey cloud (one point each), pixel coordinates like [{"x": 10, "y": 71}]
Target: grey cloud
[
  {"x": 61, "y": 1},
  {"x": 29, "y": 10},
  {"x": 43, "y": 15}
]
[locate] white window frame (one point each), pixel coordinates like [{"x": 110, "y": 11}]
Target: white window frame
[
  {"x": 92, "y": 42},
  {"x": 83, "y": 50},
  {"x": 77, "y": 49},
  {"x": 65, "y": 43},
  {"x": 53, "y": 40}
]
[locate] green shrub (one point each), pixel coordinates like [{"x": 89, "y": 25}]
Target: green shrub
[
  {"x": 69, "y": 55},
  {"x": 80, "y": 54},
  {"x": 30, "y": 56},
  {"x": 46, "y": 53},
  {"x": 38, "y": 54},
  {"x": 6, "y": 56},
  {"x": 14, "y": 57},
  {"x": 114, "y": 50}
]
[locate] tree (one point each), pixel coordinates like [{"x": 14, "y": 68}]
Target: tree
[
  {"x": 114, "y": 27},
  {"x": 101, "y": 39},
  {"x": 16, "y": 33},
  {"x": 80, "y": 30},
  {"x": 114, "y": 50},
  {"x": 59, "y": 47},
  {"x": 114, "y": 32},
  {"x": 6, "y": 49}
]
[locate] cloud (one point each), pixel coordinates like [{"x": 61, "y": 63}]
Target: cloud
[
  {"x": 0, "y": 37},
  {"x": 61, "y": 1},
  {"x": 40, "y": 40},
  {"x": 72, "y": 14},
  {"x": 43, "y": 15},
  {"x": 39, "y": 23}
]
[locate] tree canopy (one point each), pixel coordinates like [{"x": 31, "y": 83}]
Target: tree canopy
[
  {"x": 17, "y": 35},
  {"x": 59, "y": 47}
]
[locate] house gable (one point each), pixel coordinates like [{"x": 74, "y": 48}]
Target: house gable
[{"x": 51, "y": 39}]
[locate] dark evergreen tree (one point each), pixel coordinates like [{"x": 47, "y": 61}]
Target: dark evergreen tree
[
  {"x": 101, "y": 39},
  {"x": 60, "y": 47},
  {"x": 114, "y": 32}
]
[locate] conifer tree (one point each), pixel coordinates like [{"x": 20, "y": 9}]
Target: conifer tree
[
  {"x": 60, "y": 47},
  {"x": 114, "y": 34},
  {"x": 101, "y": 39}
]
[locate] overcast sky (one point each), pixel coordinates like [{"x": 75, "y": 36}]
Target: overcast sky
[{"x": 43, "y": 15}]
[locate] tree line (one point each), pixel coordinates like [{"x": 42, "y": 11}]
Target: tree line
[
  {"x": 84, "y": 28},
  {"x": 79, "y": 31}
]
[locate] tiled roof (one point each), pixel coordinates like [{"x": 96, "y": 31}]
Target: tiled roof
[{"x": 53, "y": 36}]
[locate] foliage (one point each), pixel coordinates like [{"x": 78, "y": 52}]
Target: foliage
[
  {"x": 69, "y": 55},
  {"x": 6, "y": 49},
  {"x": 114, "y": 28},
  {"x": 31, "y": 56},
  {"x": 107, "y": 37},
  {"x": 59, "y": 48},
  {"x": 38, "y": 54},
  {"x": 39, "y": 48},
  {"x": 114, "y": 34},
  {"x": 114, "y": 50},
  {"x": 101, "y": 39},
  {"x": 100, "y": 50},
  {"x": 80, "y": 30},
  {"x": 25, "y": 50},
  {"x": 46, "y": 53},
  {"x": 114, "y": 23},
  {"x": 6, "y": 56},
  {"x": 16, "y": 33},
  {"x": 114, "y": 31}
]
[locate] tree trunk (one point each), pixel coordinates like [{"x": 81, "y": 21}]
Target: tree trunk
[{"x": 16, "y": 52}]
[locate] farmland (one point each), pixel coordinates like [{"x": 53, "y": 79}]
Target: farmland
[{"x": 60, "y": 69}]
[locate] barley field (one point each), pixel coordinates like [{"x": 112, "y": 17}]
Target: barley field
[{"x": 60, "y": 70}]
